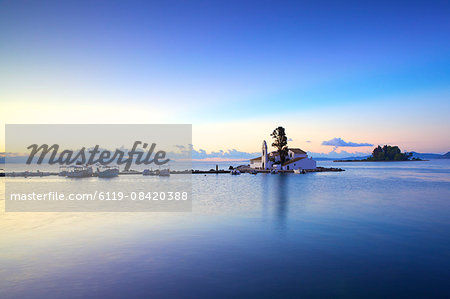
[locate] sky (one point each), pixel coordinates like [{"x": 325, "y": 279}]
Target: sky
[{"x": 340, "y": 76}]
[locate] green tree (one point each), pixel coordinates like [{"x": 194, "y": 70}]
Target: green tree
[
  {"x": 389, "y": 153},
  {"x": 280, "y": 142}
]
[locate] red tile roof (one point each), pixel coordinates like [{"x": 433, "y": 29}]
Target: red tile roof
[
  {"x": 293, "y": 160},
  {"x": 297, "y": 151}
]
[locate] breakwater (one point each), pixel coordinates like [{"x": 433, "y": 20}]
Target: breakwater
[{"x": 212, "y": 171}]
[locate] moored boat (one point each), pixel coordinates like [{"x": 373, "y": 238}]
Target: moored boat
[
  {"x": 79, "y": 171},
  {"x": 299, "y": 170},
  {"x": 149, "y": 172},
  {"x": 62, "y": 171},
  {"x": 108, "y": 171}
]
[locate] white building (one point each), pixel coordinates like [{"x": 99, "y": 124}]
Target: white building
[{"x": 295, "y": 159}]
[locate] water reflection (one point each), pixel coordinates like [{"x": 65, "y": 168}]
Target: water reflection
[
  {"x": 281, "y": 200},
  {"x": 364, "y": 231},
  {"x": 265, "y": 196}
]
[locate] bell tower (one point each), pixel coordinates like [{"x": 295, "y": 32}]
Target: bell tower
[{"x": 264, "y": 156}]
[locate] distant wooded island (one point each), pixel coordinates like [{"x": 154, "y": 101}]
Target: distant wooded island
[{"x": 386, "y": 153}]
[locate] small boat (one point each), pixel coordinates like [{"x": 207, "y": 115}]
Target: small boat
[
  {"x": 164, "y": 172},
  {"x": 148, "y": 172},
  {"x": 299, "y": 170},
  {"x": 62, "y": 171},
  {"x": 235, "y": 172},
  {"x": 274, "y": 171},
  {"x": 79, "y": 171},
  {"x": 108, "y": 171},
  {"x": 253, "y": 172}
]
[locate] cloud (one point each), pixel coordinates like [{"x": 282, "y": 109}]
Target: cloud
[
  {"x": 338, "y": 142},
  {"x": 221, "y": 154},
  {"x": 182, "y": 152}
]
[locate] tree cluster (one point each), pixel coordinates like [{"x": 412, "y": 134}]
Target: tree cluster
[{"x": 389, "y": 153}]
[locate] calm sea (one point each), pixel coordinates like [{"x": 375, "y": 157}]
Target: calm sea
[{"x": 376, "y": 230}]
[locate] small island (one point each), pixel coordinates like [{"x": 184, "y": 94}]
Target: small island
[{"x": 385, "y": 154}]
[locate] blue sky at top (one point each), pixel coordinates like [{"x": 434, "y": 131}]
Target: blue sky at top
[{"x": 211, "y": 62}]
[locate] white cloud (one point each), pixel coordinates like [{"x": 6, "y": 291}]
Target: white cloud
[{"x": 339, "y": 142}]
